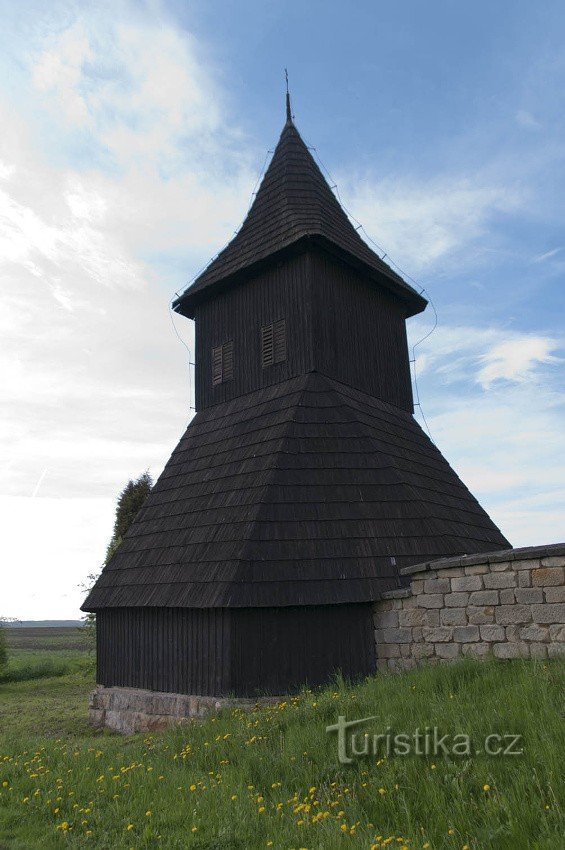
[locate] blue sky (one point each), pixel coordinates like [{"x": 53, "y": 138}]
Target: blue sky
[{"x": 133, "y": 134}]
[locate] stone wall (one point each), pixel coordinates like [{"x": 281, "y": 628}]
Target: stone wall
[
  {"x": 508, "y": 604},
  {"x": 129, "y": 710}
]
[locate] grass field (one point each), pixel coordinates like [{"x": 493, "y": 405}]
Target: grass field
[{"x": 271, "y": 778}]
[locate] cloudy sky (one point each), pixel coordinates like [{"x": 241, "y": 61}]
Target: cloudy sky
[{"x": 132, "y": 135}]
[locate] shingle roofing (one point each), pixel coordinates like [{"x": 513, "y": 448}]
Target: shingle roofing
[
  {"x": 294, "y": 204},
  {"x": 300, "y": 493}
]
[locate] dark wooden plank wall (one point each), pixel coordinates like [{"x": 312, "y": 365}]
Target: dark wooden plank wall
[
  {"x": 179, "y": 650},
  {"x": 338, "y": 323},
  {"x": 245, "y": 652},
  {"x": 239, "y": 313},
  {"x": 277, "y": 650},
  {"x": 359, "y": 333}
]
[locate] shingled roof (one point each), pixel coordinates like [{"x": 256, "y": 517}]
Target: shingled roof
[
  {"x": 294, "y": 205},
  {"x": 303, "y": 493}
]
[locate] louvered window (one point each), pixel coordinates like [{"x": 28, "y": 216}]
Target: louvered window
[
  {"x": 222, "y": 363},
  {"x": 273, "y": 343}
]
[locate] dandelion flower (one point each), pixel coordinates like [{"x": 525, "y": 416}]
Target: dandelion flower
[{"x": 486, "y": 787}]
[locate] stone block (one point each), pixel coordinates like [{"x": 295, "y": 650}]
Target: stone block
[
  {"x": 510, "y": 650},
  {"x": 476, "y": 570},
  {"x": 405, "y": 650},
  {"x": 432, "y": 617},
  {"x": 557, "y": 633},
  {"x": 456, "y": 600},
  {"x": 513, "y": 633},
  {"x": 447, "y": 650},
  {"x": 507, "y": 596},
  {"x": 548, "y": 613},
  {"x": 480, "y": 614},
  {"x": 439, "y": 634},
  {"x": 388, "y": 650},
  {"x": 96, "y": 717},
  {"x": 451, "y": 572},
  {"x": 524, "y": 578},
  {"x": 553, "y": 561},
  {"x": 499, "y": 580},
  {"x": 413, "y": 617},
  {"x": 453, "y": 616},
  {"x": 492, "y": 633},
  {"x": 391, "y": 635},
  {"x": 466, "y": 583},
  {"x": 422, "y": 650},
  {"x": 499, "y": 566},
  {"x": 548, "y": 577},
  {"x": 538, "y": 650},
  {"x": 527, "y": 595},
  {"x": 554, "y": 594},
  {"x": 555, "y": 650},
  {"x": 417, "y": 586},
  {"x": 535, "y": 632},
  {"x": 476, "y": 650},
  {"x": 466, "y": 634},
  {"x": 387, "y": 618},
  {"x": 431, "y": 600},
  {"x": 484, "y": 597},
  {"x": 526, "y": 564},
  {"x": 507, "y": 615},
  {"x": 437, "y": 585}
]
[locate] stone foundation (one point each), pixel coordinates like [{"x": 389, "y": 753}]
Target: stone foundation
[
  {"x": 129, "y": 710},
  {"x": 508, "y": 604}
]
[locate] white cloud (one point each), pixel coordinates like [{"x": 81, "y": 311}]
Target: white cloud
[
  {"x": 423, "y": 223},
  {"x": 95, "y": 384},
  {"x": 516, "y": 359},
  {"x": 494, "y": 402}
]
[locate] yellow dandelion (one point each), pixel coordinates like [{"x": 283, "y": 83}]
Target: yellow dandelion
[
  {"x": 344, "y": 827},
  {"x": 129, "y": 827},
  {"x": 486, "y": 787},
  {"x": 148, "y": 813}
]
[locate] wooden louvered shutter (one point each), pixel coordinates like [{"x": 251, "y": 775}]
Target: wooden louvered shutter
[
  {"x": 267, "y": 346},
  {"x": 227, "y": 361},
  {"x": 217, "y": 365},
  {"x": 279, "y": 340}
]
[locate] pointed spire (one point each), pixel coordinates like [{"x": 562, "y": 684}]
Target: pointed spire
[
  {"x": 288, "y": 109},
  {"x": 293, "y": 203}
]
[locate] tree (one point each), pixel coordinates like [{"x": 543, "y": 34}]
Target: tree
[{"x": 129, "y": 503}]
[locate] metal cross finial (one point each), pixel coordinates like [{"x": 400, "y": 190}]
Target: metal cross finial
[{"x": 288, "y": 110}]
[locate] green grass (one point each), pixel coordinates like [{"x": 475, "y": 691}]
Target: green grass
[{"x": 238, "y": 781}]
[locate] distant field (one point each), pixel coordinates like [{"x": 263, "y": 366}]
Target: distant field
[{"x": 48, "y": 639}]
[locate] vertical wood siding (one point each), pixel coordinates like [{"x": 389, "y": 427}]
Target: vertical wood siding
[
  {"x": 245, "y": 651},
  {"x": 337, "y": 323},
  {"x": 359, "y": 333},
  {"x": 281, "y": 292}
]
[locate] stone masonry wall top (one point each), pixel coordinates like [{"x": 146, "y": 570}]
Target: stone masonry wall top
[
  {"x": 523, "y": 554},
  {"x": 508, "y": 604}
]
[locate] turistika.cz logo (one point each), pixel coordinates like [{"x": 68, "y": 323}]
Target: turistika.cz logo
[{"x": 352, "y": 744}]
